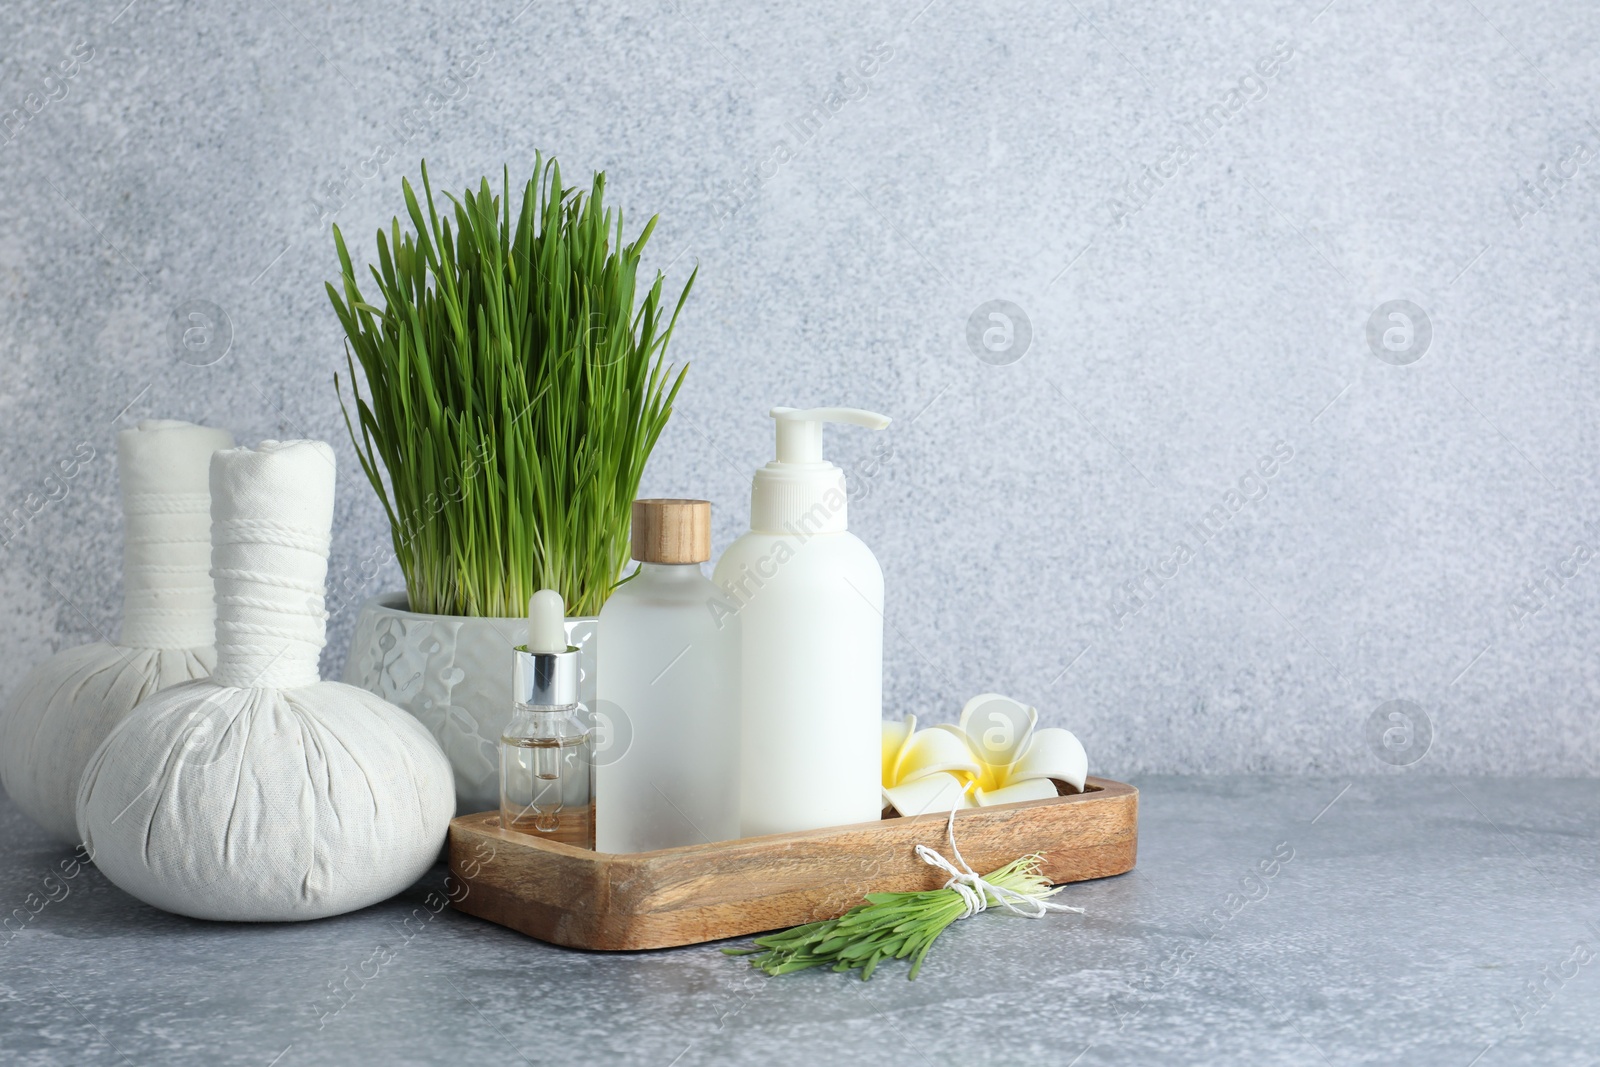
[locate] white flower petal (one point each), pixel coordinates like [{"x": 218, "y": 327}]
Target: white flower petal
[
  {"x": 933, "y": 752},
  {"x": 895, "y": 736},
  {"x": 935, "y": 793},
  {"x": 1055, "y": 753},
  {"x": 998, "y": 728},
  {"x": 1037, "y": 789}
]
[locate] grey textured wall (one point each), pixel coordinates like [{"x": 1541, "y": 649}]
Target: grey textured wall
[{"x": 1212, "y": 507}]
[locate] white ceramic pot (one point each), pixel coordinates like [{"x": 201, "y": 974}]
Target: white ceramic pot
[{"x": 454, "y": 674}]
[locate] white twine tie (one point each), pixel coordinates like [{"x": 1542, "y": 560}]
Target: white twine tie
[{"x": 974, "y": 891}]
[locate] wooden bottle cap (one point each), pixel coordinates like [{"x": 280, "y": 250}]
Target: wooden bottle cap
[{"x": 671, "y": 531}]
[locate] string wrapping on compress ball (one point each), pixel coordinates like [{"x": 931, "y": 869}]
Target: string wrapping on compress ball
[
  {"x": 269, "y": 535},
  {"x": 164, "y": 469}
]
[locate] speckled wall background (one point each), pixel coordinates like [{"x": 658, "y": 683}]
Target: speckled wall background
[{"x": 1242, "y": 356}]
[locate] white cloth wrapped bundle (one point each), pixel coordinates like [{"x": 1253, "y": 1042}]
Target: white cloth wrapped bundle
[
  {"x": 68, "y": 704},
  {"x": 262, "y": 793}
]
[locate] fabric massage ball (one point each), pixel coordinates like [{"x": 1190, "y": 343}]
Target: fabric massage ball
[
  {"x": 67, "y": 705},
  {"x": 264, "y": 793}
]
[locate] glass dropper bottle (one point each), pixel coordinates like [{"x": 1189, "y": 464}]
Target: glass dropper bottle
[{"x": 546, "y": 789}]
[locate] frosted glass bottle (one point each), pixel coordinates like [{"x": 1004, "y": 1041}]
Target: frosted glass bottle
[
  {"x": 808, "y": 598},
  {"x": 667, "y": 755}
]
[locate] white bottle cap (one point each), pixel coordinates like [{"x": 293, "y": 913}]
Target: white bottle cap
[{"x": 800, "y": 492}]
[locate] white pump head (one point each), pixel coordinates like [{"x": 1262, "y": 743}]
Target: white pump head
[{"x": 800, "y": 492}]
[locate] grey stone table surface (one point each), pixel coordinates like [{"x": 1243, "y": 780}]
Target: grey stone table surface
[{"x": 1399, "y": 919}]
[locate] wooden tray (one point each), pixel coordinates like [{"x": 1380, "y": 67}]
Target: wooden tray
[{"x": 681, "y": 896}]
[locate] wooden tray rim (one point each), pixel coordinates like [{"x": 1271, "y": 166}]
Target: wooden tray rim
[{"x": 488, "y": 822}]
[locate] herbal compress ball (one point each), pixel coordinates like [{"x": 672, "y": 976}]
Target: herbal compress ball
[
  {"x": 264, "y": 793},
  {"x": 68, "y": 704}
]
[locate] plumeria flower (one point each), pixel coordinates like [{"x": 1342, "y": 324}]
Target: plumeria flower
[
  {"x": 996, "y": 748},
  {"x": 925, "y": 770}
]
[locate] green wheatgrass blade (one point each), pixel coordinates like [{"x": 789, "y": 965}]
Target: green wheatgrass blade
[
  {"x": 887, "y": 926},
  {"x": 514, "y": 389}
]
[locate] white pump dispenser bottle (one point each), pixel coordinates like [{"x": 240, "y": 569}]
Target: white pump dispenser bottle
[{"x": 808, "y": 595}]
